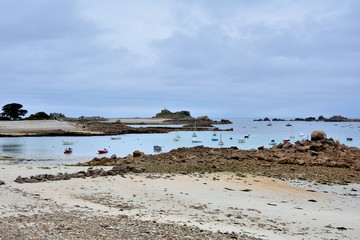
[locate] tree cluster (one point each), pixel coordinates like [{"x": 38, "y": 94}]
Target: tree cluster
[{"x": 15, "y": 111}]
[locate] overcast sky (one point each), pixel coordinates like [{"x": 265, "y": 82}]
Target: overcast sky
[{"x": 231, "y": 58}]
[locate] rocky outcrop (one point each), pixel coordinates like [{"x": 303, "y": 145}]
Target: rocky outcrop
[
  {"x": 303, "y": 158},
  {"x": 318, "y": 135},
  {"x": 90, "y": 173}
]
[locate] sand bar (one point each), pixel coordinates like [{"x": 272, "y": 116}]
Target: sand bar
[
  {"x": 36, "y": 127},
  {"x": 28, "y": 126}
]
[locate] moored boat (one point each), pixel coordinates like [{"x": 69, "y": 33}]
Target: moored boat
[
  {"x": 196, "y": 140},
  {"x": 67, "y": 142},
  {"x": 221, "y": 142},
  {"x": 157, "y": 148},
  {"x": 214, "y": 137},
  {"x": 272, "y": 142},
  {"x": 68, "y": 150},
  {"x": 177, "y": 138},
  {"x": 101, "y": 151},
  {"x": 116, "y": 138}
]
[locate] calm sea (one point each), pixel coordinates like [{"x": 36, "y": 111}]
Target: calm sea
[{"x": 50, "y": 150}]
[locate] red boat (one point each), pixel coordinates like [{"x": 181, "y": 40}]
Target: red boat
[
  {"x": 68, "y": 150},
  {"x": 102, "y": 151}
]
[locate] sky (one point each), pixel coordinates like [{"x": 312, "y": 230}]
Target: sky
[{"x": 231, "y": 58}]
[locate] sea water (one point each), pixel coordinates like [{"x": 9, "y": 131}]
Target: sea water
[{"x": 50, "y": 150}]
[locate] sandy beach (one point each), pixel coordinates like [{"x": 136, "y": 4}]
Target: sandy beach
[
  {"x": 56, "y": 127},
  {"x": 34, "y": 127},
  {"x": 260, "y": 207}
]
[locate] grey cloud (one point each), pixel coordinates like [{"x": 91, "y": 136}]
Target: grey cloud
[{"x": 229, "y": 58}]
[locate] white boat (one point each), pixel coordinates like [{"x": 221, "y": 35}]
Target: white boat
[
  {"x": 67, "y": 142},
  {"x": 241, "y": 140},
  {"x": 221, "y": 142},
  {"x": 177, "y": 138},
  {"x": 292, "y": 132},
  {"x": 196, "y": 140},
  {"x": 301, "y": 134}
]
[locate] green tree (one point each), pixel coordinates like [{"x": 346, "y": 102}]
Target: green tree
[
  {"x": 39, "y": 116},
  {"x": 13, "y": 111}
]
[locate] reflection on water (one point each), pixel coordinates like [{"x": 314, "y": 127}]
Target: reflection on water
[{"x": 12, "y": 148}]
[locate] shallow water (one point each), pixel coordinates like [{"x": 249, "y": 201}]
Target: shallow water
[{"x": 51, "y": 149}]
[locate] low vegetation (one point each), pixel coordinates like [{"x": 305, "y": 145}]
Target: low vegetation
[{"x": 165, "y": 113}]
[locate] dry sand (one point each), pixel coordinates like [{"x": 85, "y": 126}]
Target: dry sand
[
  {"x": 27, "y": 126},
  {"x": 257, "y": 206}
]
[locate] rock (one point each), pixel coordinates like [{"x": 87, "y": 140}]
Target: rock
[
  {"x": 136, "y": 170},
  {"x": 314, "y": 153},
  {"x": 283, "y": 160},
  {"x": 120, "y": 169},
  {"x": 56, "y": 178},
  {"x": 113, "y": 156},
  {"x": 66, "y": 176},
  {"x": 30, "y": 180},
  {"x": 300, "y": 162},
  {"x": 137, "y": 153},
  {"x": 103, "y": 173},
  {"x": 19, "y": 179},
  {"x": 112, "y": 173},
  {"x": 2, "y": 182},
  {"x": 235, "y": 156},
  {"x": 317, "y": 147},
  {"x": 287, "y": 145},
  {"x": 302, "y": 148},
  {"x": 318, "y": 135},
  {"x": 261, "y": 157}
]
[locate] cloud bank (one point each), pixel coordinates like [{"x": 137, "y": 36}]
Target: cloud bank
[{"x": 217, "y": 58}]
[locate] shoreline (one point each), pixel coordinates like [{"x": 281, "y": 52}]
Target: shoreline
[
  {"x": 260, "y": 207},
  {"x": 97, "y": 127},
  {"x": 39, "y": 128}
]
